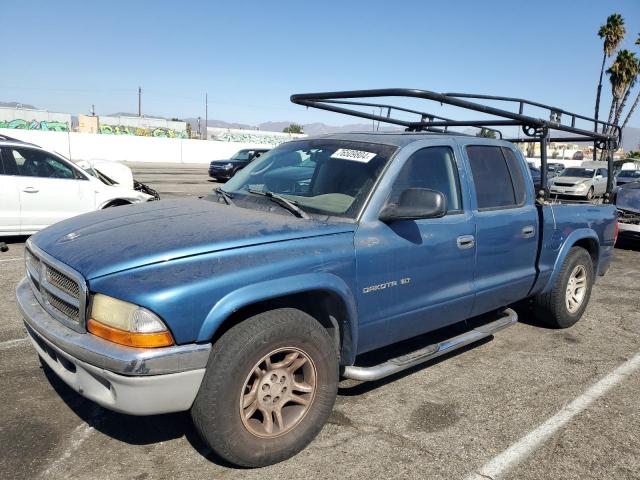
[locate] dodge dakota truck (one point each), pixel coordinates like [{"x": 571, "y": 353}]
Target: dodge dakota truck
[{"x": 247, "y": 307}]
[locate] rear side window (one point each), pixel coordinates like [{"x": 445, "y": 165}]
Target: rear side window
[
  {"x": 497, "y": 177},
  {"x": 434, "y": 168}
]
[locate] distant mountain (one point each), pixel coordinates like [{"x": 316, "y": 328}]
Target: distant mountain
[{"x": 17, "y": 105}]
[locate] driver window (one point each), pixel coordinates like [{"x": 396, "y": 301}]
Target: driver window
[
  {"x": 433, "y": 168},
  {"x": 34, "y": 163}
]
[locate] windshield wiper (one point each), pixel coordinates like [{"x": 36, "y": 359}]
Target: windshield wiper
[
  {"x": 283, "y": 202},
  {"x": 225, "y": 195}
]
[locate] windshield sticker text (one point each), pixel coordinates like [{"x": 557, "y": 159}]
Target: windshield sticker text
[{"x": 355, "y": 155}]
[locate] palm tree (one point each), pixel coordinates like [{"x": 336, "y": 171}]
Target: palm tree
[
  {"x": 622, "y": 75},
  {"x": 613, "y": 33},
  {"x": 637, "y": 100}
]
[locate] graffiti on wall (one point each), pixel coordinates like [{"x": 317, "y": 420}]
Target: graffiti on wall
[
  {"x": 43, "y": 125},
  {"x": 251, "y": 138},
  {"x": 158, "y": 132}
]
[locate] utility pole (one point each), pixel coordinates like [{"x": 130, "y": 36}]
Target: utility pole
[
  {"x": 93, "y": 110},
  {"x": 199, "y": 131},
  {"x": 206, "y": 115},
  {"x": 139, "y": 101}
]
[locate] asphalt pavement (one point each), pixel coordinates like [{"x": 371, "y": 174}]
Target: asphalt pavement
[{"x": 538, "y": 403}]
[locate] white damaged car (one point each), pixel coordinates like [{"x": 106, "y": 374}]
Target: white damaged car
[{"x": 39, "y": 188}]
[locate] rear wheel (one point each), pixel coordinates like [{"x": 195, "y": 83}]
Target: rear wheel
[
  {"x": 567, "y": 300},
  {"x": 270, "y": 385}
]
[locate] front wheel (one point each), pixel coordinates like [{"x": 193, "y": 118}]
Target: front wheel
[
  {"x": 270, "y": 385},
  {"x": 567, "y": 300},
  {"x": 590, "y": 194}
]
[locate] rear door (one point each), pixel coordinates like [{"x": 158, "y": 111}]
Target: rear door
[
  {"x": 9, "y": 201},
  {"x": 506, "y": 226},
  {"x": 50, "y": 189}
]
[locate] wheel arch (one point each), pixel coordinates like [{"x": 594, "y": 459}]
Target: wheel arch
[
  {"x": 585, "y": 238},
  {"x": 115, "y": 202},
  {"x": 323, "y": 296}
]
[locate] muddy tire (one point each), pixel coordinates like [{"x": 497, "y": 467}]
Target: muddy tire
[
  {"x": 270, "y": 385},
  {"x": 567, "y": 300}
]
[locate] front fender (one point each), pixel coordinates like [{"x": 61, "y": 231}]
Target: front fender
[
  {"x": 570, "y": 241},
  {"x": 258, "y": 292}
]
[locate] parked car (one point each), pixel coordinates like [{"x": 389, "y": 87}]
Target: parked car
[
  {"x": 536, "y": 176},
  {"x": 247, "y": 306},
  {"x": 225, "y": 169},
  {"x": 39, "y": 188},
  {"x": 628, "y": 204},
  {"x": 580, "y": 182},
  {"x": 627, "y": 176}
]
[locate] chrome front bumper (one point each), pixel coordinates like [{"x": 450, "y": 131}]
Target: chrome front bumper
[{"x": 130, "y": 380}]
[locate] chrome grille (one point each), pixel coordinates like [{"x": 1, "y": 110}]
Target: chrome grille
[
  {"x": 68, "y": 310},
  {"x": 62, "y": 281},
  {"x": 59, "y": 289}
]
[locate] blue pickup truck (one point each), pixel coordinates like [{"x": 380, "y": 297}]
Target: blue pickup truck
[{"x": 247, "y": 307}]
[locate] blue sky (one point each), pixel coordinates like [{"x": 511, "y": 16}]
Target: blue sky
[{"x": 250, "y": 56}]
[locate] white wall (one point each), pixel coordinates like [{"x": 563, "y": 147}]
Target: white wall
[{"x": 89, "y": 146}]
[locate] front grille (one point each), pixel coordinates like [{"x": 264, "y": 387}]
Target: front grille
[
  {"x": 558, "y": 184},
  {"x": 59, "y": 289},
  {"x": 68, "y": 310},
  {"x": 62, "y": 281}
]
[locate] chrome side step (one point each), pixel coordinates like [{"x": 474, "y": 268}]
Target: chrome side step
[{"x": 395, "y": 365}]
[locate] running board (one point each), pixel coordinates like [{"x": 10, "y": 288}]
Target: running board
[{"x": 395, "y": 365}]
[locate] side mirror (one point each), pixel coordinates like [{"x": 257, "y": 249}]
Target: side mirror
[{"x": 414, "y": 204}]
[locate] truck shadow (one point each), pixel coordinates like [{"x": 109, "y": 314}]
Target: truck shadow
[{"x": 133, "y": 430}]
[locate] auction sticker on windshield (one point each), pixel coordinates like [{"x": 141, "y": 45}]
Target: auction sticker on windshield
[{"x": 355, "y": 155}]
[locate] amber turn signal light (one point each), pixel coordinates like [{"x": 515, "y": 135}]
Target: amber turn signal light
[{"x": 130, "y": 339}]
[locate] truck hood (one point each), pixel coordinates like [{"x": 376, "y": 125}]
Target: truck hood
[
  {"x": 628, "y": 197},
  {"x": 121, "y": 238}
]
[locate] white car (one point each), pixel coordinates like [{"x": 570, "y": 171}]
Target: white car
[
  {"x": 580, "y": 182},
  {"x": 39, "y": 188}
]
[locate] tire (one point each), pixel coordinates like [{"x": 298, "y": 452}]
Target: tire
[
  {"x": 556, "y": 308},
  {"x": 230, "y": 378},
  {"x": 590, "y": 194}
]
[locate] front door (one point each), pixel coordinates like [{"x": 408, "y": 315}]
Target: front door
[
  {"x": 50, "y": 189},
  {"x": 415, "y": 276}
]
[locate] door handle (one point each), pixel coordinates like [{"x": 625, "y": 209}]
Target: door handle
[
  {"x": 466, "y": 241},
  {"x": 31, "y": 190},
  {"x": 528, "y": 231}
]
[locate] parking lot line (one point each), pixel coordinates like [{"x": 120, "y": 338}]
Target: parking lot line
[
  {"x": 12, "y": 343},
  {"x": 16, "y": 259},
  {"x": 501, "y": 464}
]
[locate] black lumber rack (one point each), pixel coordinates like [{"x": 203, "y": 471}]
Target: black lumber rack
[{"x": 605, "y": 136}]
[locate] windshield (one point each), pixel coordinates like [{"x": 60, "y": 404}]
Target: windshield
[
  {"x": 241, "y": 155},
  {"x": 578, "y": 172},
  {"x": 630, "y": 174},
  {"x": 331, "y": 177}
]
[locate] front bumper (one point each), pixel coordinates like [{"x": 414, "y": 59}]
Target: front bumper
[
  {"x": 136, "y": 381},
  {"x": 629, "y": 228},
  {"x": 220, "y": 173},
  {"x": 554, "y": 190}
]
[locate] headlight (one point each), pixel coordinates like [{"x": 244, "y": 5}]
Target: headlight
[
  {"x": 126, "y": 323},
  {"x": 581, "y": 186},
  {"x": 228, "y": 166}
]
